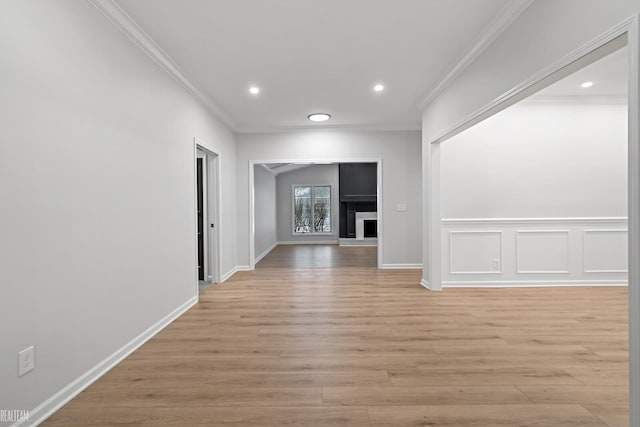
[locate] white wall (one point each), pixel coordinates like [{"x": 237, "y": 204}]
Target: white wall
[
  {"x": 539, "y": 160},
  {"x": 97, "y": 187},
  {"x": 537, "y": 194},
  {"x": 316, "y": 174},
  {"x": 400, "y": 152},
  {"x": 265, "y": 205}
]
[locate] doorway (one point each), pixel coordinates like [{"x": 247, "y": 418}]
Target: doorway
[{"x": 207, "y": 207}]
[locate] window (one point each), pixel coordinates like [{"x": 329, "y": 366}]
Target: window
[{"x": 311, "y": 209}]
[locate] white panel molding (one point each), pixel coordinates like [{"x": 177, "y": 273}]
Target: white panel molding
[
  {"x": 309, "y": 242},
  {"x": 534, "y": 221},
  {"x": 401, "y": 266},
  {"x": 520, "y": 271},
  {"x": 118, "y": 17},
  {"x": 530, "y": 283},
  {"x": 451, "y": 255},
  {"x": 266, "y": 252},
  {"x": 595, "y": 231},
  {"x": 62, "y": 397},
  {"x": 503, "y": 20}
]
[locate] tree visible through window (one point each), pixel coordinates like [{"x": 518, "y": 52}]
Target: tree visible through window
[{"x": 312, "y": 209}]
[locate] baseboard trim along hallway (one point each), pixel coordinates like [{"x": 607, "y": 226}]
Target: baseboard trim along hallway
[{"x": 58, "y": 400}]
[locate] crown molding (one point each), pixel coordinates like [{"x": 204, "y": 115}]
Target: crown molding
[
  {"x": 118, "y": 17},
  {"x": 403, "y": 127},
  {"x": 502, "y": 21}
]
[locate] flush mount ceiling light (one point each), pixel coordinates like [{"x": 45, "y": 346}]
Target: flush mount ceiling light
[
  {"x": 319, "y": 117},
  {"x": 254, "y": 90},
  {"x": 586, "y": 84},
  {"x": 378, "y": 88}
]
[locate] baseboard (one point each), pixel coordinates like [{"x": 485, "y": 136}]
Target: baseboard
[
  {"x": 243, "y": 268},
  {"x": 309, "y": 242},
  {"x": 228, "y": 274},
  {"x": 530, "y": 283},
  {"x": 401, "y": 266},
  {"x": 266, "y": 252},
  {"x": 428, "y": 286},
  {"x": 372, "y": 241},
  {"x": 62, "y": 397}
]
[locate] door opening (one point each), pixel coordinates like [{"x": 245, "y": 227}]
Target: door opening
[{"x": 207, "y": 214}]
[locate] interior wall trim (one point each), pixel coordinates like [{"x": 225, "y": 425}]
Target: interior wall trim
[
  {"x": 535, "y": 221},
  {"x": 503, "y": 20},
  {"x": 62, "y": 397},
  {"x": 118, "y": 17},
  {"x": 530, "y": 283}
]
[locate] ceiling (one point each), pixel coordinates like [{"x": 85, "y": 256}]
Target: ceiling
[
  {"x": 609, "y": 76},
  {"x": 308, "y": 56}
]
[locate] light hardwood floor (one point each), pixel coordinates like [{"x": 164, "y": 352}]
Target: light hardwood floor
[{"x": 317, "y": 336}]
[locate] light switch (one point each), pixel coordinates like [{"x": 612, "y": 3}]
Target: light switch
[{"x": 401, "y": 207}]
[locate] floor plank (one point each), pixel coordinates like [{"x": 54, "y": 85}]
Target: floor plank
[{"x": 317, "y": 336}]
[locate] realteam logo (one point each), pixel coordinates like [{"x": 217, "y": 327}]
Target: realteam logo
[{"x": 13, "y": 416}]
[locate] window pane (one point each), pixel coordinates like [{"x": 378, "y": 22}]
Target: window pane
[
  {"x": 322, "y": 210},
  {"x": 302, "y": 191},
  {"x": 302, "y": 210},
  {"x": 324, "y": 191}
]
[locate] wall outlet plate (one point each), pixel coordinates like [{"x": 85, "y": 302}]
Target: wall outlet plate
[
  {"x": 26, "y": 360},
  {"x": 496, "y": 264}
]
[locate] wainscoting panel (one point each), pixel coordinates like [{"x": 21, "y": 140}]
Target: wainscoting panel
[
  {"x": 534, "y": 251},
  {"x": 605, "y": 251},
  {"x": 475, "y": 251},
  {"x": 542, "y": 252}
]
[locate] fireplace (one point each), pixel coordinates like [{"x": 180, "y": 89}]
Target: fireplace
[
  {"x": 361, "y": 219},
  {"x": 370, "y": 228}
]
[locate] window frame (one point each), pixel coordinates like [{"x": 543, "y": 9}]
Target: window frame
[{"x": 313, "y": 202}]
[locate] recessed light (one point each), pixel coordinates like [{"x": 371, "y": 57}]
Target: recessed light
[
  {"x": 378, "y": 88},
  {"x": 586, "y": 84},
  {"x": 319, "y": 117},
  {"x": 254, "y": 90}
]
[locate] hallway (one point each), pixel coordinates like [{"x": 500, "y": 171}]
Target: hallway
[{"x": 316, "y": 335}]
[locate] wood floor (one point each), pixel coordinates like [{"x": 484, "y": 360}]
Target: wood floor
[{"x": 317, "y": 336}]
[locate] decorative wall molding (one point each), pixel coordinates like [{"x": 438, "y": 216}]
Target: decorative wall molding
[
  {"x": 553, "y": 249},
  {"x": 499, "y": 255},
  {"x": 564, "y": 233},
  {"x": 530, "y": 283},
  {"x": 118, "y": 17},
  {"x": 59, "y": 399},
  {"x": 586, "y": 233},
  {"x": 503, "y": 20},
  {"x": 534, "y": 221}
]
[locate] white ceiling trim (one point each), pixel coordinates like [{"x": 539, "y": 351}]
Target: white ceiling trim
[
  {"x": 325, "y": 128},
  {"x": 114, "y": 13},
  {"x": 503, "y": 20}
]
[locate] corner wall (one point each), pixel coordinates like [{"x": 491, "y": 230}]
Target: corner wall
[
  {"x": 266, "y": 206},
  {"x": 97, "y": 218}
]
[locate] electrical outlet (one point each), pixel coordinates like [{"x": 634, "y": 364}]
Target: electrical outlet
[
  {"x": 26, "y": 360},
  {"x": 496, "y": 264}
]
